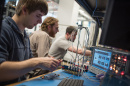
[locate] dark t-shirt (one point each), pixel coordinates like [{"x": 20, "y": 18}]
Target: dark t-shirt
[{"x": 13, "y": 45}]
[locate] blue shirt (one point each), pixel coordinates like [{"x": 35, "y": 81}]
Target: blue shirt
[{"x": 13, "y": 45}]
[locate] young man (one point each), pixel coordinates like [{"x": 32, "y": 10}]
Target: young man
[
  {"x": 60, "y": 46},
  {"x": 40, "y": 41},
  {"x": 15, "y": 50}
]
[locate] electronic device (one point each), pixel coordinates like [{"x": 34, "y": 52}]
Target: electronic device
[
  {"x": 116, "y": 28},
  {"x": 119, "y": 71},
  {"x": 101, "y": 59},
  {"x": 72, "y": 70},
  {"x": 104, "y": 59},
  {"x": 71, "y": 82},
  {"x": 75, "y": 70},
  {"x": 120, "y": 63},
  {"x": 111, "y": 79}
]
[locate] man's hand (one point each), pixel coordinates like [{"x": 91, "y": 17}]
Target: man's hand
[
  {"x": 88, "y": 53},
  {"x": 49, "y": 63}
]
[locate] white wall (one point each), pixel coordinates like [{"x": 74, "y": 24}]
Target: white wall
[{"x": 68, "y": 12}]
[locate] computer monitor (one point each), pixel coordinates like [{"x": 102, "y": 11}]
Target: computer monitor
[
  {"x": 101, "y": 59},
  {"x": 116, "y": 27}
]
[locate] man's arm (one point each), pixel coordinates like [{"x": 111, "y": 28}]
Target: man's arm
[
  {"x": 79, "y": 51},
  {"x": 11, "y": 70}
]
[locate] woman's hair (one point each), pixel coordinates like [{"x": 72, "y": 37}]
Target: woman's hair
[
  {"x": 31, "y": 6},
  {"x": 48, "y": 21}
]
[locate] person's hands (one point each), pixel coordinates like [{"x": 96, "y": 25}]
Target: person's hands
[
  {"x": 49, "y": 63},
  {"x": 60, "y": 60},
  {"x": 88, "y": 53},
  {"x": 100, "y": 76}
]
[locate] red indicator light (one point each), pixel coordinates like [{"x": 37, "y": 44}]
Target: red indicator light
[
  {"x": 125, "y": 59},
  {"x": 122, "y": 73}
]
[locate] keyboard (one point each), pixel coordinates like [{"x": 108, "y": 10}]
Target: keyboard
[{"x": 71, "y": 82}]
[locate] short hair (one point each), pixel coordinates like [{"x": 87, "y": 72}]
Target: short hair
[
  {"x": 31, "y": 6},
  {"x": 70, "y": 29},
  {"x": 48, "y": 21}
]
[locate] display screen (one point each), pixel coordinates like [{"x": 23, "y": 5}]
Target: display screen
[
  {"x": 101, "y": 59},
  {"x": 116, "y": 29}
]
